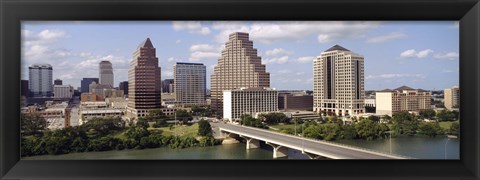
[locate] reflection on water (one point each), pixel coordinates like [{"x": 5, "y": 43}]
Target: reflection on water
[{"x": 417, "y": 147}]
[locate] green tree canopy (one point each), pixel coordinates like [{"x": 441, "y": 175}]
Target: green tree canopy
[{"x": 204, "y": 128}]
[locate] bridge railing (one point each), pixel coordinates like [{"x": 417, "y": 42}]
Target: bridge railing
[{"x": 326, "y": 142}]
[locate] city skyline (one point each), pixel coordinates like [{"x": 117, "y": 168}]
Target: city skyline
[{"x": 396, "y": 53}]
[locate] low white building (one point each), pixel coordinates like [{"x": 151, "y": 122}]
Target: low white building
[
  {"x": 62, "y": 91},
  {"x": 402, "y": 99},
  {"x": 248, "y": 101},
  {"x": 88, "y": 114}
]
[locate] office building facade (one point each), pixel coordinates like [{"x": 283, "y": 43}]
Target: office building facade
[
  {"x": 338, "y": 82},
  {"x": 239, "y": 66},
  {"x": 248, "y": 101},
  {"x": 105, "y": 72},
  {"x": 190, "y": 83},
  {"x": 40, "y": 80},
  {"x": 404, "y": 98},
  {"x": 295, "y": 101},
  {"x": 124, "y": 87},
  {"x": 85, "y": 84},
  {"x": 62, "y": 91},
  {"x": 57, "y": 82},
  {"x": 452, "y": 98},
  {"x": 167, "y": 86},
  {"x": 144, "y": 81}
]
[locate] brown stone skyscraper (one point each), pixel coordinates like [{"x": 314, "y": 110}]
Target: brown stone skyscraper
[
  {"x": 144, "y": 83},
  {"x": 239, "y": 66}
]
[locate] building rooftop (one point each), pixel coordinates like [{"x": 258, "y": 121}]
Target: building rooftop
[
  {"x": 337, "y": 47},
  {"x": 146, "y": 43},
  {"x": 189, "y": 63},
  {"x": 401, "y": 88}
]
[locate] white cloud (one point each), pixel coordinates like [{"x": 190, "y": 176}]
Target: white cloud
[
  {"x": 277, "y": 52},
  {"x": 449, "y": 56},
  {"x": 268, "y": 32},
  {"x": 204, "y": 52},
  {"x": 411, "y": 53},
  {"x": 167, "y": 74},
  {"x": 279, "y": 60},
  {"x": 389, "y": 76},
  {"x": 194, "y": 27},
  {"x": 305, "y": 59},
  {"x": 46, "y": 36},
  {"x": 387, "y": 37}
]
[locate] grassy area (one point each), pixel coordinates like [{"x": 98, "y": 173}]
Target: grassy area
[
  {"x": 446, "y": 124},
  {"x": 120, "y": 135},
  {"x": 278, "y": 126},
  {"x": 179, "y": 130}
]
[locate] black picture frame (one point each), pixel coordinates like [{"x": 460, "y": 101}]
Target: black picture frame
[{"x": 12, "y": 12}]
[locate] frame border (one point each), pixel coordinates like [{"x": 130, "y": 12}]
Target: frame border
[{"x": 12, "y": 12}]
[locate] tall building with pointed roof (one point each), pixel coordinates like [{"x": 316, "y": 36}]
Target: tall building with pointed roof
[
  {"x": 238, "y": 67},
  {"x": 144, "y": 83},
  {"x": 338, "y": 82}
]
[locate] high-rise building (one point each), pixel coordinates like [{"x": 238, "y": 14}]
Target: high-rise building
[
  {"x": 85, "y": 84},
  {"x": 338, "y": 82},
  {"x": 24, "y": 88},
  {"x": 62, "y": 91},
  {"x": 452, "y": 98},
  {"x": 144, "y": 83},
  {"x": 295, "y": 101},
  {"x": 167, "y": 86},
  {"x": 190, "y": 83},
  {"x": 124, "y": 87},
  {"x": 404, "y": 98},
  {"x": 106, "y": 73},
  {"x": 248, "y": 101},
  {"x": 57, "y": 82},
  {"x": 239, "y": 66},
  {"x": 40, "y": 80}
]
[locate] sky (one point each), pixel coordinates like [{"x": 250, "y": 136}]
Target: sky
[{"x": 419, "y": 54}]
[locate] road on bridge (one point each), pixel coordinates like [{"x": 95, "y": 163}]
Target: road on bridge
[{"x": 318, "y": 147}]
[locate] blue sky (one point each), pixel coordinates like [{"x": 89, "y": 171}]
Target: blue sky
[{"x": 419, "y": 54}]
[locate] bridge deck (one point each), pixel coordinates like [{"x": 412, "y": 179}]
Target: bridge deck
[{"x": 322, "y": 148}]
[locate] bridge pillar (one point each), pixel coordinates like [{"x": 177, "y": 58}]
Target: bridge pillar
[
  {"x": 278, "y": 150},
  {"x": 251, "y": 143},
  {"x": 311, "y": 156}
]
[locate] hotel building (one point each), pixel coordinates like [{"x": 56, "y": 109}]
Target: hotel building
[
  {"x": 106, "y": 73},
  {"x": 239, "y": 66},
  {"x": 144, "y": 83},
  {"x": 338, "y": 82},
  {"x": 248, "y": 101},
  {"x": 40, "y": 80},
  {"x": 452, "y": 98},
  {"x": 402, "y": 99},
  {"x": 190, "y": 83}
]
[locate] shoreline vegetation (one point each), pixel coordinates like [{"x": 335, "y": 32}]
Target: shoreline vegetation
[
  {"x": 153, "y": 131},
  {"x": 112, "y": 133}
]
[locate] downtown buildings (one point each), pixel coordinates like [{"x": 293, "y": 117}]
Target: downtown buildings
[
  {"x": 338, "y": 82},
  {"x": 239, "y": 66},
  {"x": 248, "y": 101},
  {"x": 452, "y": 98},
  {"x": 85, "y": 84},
  {"x": 105, "y": 72},
  {"x": 403, "y": 98},
  {"x": 40, "y": 80},
  {"x": 144, "y": 83},
  {"x": 190, "y": 83}
]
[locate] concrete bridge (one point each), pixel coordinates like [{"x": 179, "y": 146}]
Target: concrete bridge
[{"x": 312, "y": 148}]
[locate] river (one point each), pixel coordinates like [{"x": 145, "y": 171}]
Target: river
[{"x": 416, "y": 147}]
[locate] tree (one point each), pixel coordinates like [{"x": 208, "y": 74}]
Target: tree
[
  {"x": 430, "y": 129},
  {"x": 330, "y": 131},
  {"x": 367, "y": 129},
  {"x": 136, "y": 132},
  {"x": 204, "y": 128},
  {"x": 404, "y": 123},
  {"x": 374, "y": 118},
  {"x": 273, "y": 118},
  {"x": 348, "y": 132},
  {"x": 184, "y": 116},
  {"x": 454, "y": 129},
  {"x": 248, "y": 120},
  {"x": 313, "y": 132},
  {"x": 427, "y": 114},
  {"x": 155, "y": 114},
  {"x": 445, "y": 115},
  {"x": 32, "y": 124}
]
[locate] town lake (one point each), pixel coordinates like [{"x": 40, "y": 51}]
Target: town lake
[{"x": 416, "y": 147}]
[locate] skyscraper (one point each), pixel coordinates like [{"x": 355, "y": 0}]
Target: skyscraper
[
  {"x": 24, "y": 88},
  {"x": 144, "y": 83},
  {"x": 167, "y": 86},
  {"x": 124, "y": 87},
  {"x": 338, "y": 82},
  {"x": 452, "y": 97},
  {"x": 106, "y": 73},
  {"x": 239, "y": 66},
  {"x": 85, "y": 84},
  {"x": 40, "y": 80},
  {"x": 190, "y": 83}
]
